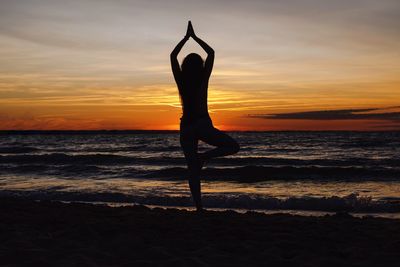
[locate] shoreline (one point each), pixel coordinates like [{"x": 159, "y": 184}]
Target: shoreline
[
  {"x": 48, "y": 233},
  {"x": 353, "y": 204},
  {"x": 304, "y": 213}
]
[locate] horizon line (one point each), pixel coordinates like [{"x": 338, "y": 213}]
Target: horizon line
[{"x": 171, "y": 131}]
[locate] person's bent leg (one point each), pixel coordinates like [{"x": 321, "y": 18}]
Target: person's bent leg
[
  {"x": 225, "y": 145},
  {"x": 189, "y": 145}
]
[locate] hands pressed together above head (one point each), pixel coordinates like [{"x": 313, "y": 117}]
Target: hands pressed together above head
[{"x": 190, "y": 31}]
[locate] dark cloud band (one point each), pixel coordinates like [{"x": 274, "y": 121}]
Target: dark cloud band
[{"x": 341, "y": 114}]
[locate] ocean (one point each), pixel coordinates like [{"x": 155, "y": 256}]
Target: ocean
[{"x": 357, "y": 172}]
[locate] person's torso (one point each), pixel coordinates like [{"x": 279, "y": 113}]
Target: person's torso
[{"x": 194, "y": 103}]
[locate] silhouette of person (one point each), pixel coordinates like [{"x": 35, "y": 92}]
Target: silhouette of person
[{"x": 192, "y": 81}]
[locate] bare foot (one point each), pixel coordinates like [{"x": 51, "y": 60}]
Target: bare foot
[{"x": 200, "y": 210}]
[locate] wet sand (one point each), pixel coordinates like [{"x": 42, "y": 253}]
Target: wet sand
[{"x": 73, "y": 234}]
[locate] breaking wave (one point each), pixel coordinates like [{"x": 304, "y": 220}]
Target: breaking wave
[{"x": 265, "y": 173}]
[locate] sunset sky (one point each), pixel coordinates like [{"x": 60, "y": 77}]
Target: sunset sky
[{"x": 280, "y": 65}]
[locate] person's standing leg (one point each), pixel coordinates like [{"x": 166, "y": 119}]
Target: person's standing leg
[{"x": 189, "y": 144}]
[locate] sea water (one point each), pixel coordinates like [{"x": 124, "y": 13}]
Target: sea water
[{"x": 297, "y": 171}]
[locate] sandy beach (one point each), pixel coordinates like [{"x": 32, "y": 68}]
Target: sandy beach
[{"x": 75, "y": 234}]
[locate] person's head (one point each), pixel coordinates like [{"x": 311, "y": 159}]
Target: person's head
[{"x": 193, "y": 67}]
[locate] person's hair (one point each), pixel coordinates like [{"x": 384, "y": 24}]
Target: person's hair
[{"x": 192, "y": 75}]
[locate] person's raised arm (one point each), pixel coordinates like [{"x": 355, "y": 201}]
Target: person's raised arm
[
  {"x": 176, "y": 70},
  {"x": 208, "y": 65}
]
